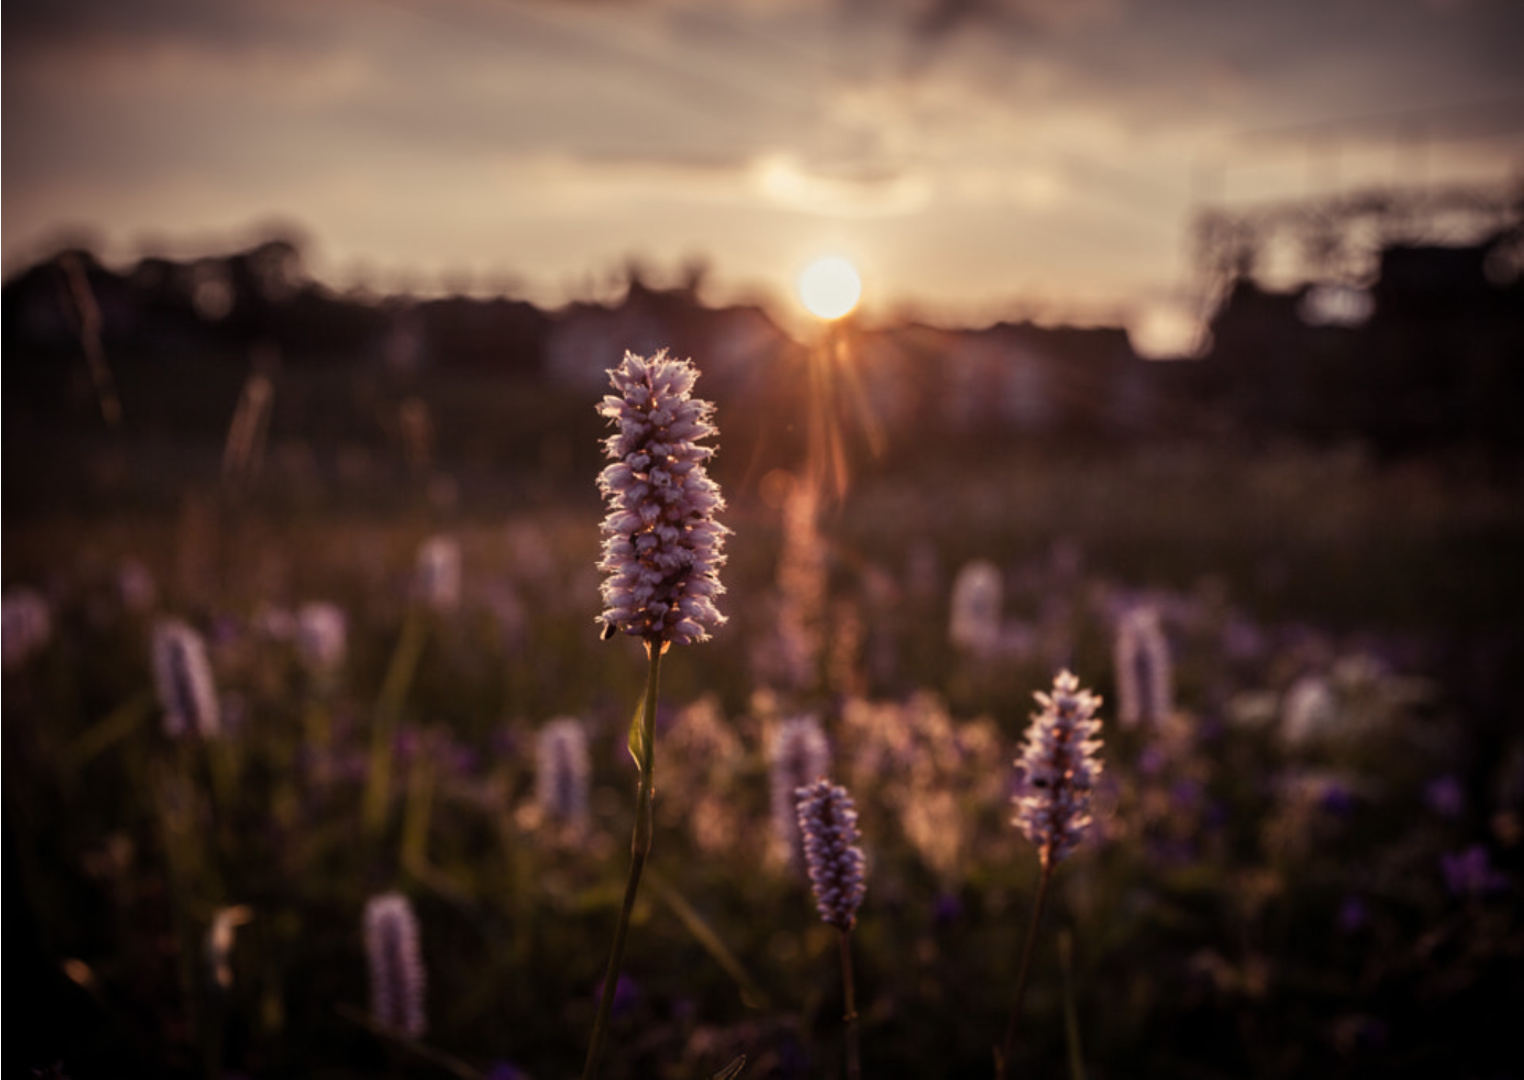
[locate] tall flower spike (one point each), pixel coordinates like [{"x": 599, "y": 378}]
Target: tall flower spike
[
  {"x": 662, "y": 547},
  {"x": 183, "y": 678},
  {"x": 28, "y": 624},
  {"x": 1145, "y": 680},
  {"x": 396, "y": 964},
  {"x": 437, "y": 575},
  {"x": 828, "y": 822},
  {"x": 1058, "y": 768},
  {"x": 322, "y": 636},
  {"x": 974, "y": 622},
  {"x": 561, "y": 771}
]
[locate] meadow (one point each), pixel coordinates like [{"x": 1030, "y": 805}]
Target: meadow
[{"x": 1305, "y": 860}]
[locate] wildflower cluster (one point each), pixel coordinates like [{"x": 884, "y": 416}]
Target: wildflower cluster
[
  {"x": 974, "y": 623},
  {"x": 28, "y": 624},
  {"x": 184, "y": 682},
  {"x": 828, "y": 822},
  {"x": 1144, "y": 674},
  {"x": 322, "y": 634},
  {"x": 662, "y": 546},
  {"x": 396, "y": 964},
  {"x": 1058, "y": 768},
  {"x": 437, "y": 580},
  {"x": 561, "y": 772}
]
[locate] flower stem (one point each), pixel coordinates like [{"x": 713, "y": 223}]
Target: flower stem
[
  {"x": 1003, "y": 1056},
  {"x": 399, "y": 676},
  {"x": 640, "y": 848},
  {"x": 1071, "y": 1013},
  {"x": 854, "y": 1062}
]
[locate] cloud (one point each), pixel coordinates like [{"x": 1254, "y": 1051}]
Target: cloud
[
  {"x": 781, "y": 177},
  {"x": 984, "y": 147}
]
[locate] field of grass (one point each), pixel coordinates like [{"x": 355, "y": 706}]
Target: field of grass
[{"x": 1271, "y": 888}]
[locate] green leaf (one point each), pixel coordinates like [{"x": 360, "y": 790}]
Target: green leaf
[
  {"x": 637, "y": 743},
  {"x": 752, "y": 995},
  {"x": 733, "y": 1070}
]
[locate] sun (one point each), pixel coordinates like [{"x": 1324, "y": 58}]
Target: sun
[{"x": 830, "y": 287}]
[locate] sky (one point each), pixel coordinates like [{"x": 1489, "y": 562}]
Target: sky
[{"x": 976, "y": 159}]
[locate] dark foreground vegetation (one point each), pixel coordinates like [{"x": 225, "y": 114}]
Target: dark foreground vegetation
[{"x": 1306, "y": 863}]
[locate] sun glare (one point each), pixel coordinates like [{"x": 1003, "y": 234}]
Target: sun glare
[{"x": 830, "y": 287}]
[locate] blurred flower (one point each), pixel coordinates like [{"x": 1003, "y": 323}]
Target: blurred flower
[
  {"x": 321, "y": 636},
  {"x": 662, "y": 546},
  {"x": 26, "y": 625},
  {"x": 946, "y": 908},
  {"x": 437, "y": 574},
  {"x": 396, "y": 964},
  {"x": 974, "y": 624},
  {"x": 1352, "y": 914},
  {"x": 218, "y": 946},
  {"x": 1242, "y": 638},
  {"x": 935, "y": 824},
  {"x": 1058, "y": 768},
  {"x": 273, "y": 622},
  {"x": 1185, "y": 794},
  {"x": 1445, "y": 796},
  {"x": 1337, "y": 800},
  {"x": 511, "y": 615},
  {"x": 626, "y": 995},
  {"x": 799, "y": 756},
  {"x": 1309, "y": 711},
  {"x": 561, "y": 772},
  {"x": 1144, "y": 674},
  {"x": 183, "y": 678},
  {"x": 828, "y": 822},
  {"x": 1470, "y": 872},
  {"x": 704, "y": 763},
  {"x": 136, "y": 586}
]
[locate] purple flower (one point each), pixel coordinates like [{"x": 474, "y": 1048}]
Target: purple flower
[
  {"x": 437, "y": 578},
  {"x": 1352, "y": 914},
  {"x": 946, "y": 908},
  {"x": 1470, "y": 872},
  {"x": 182, "y": 675},
  {"x": 1058, "y": 768},
  {"x": 561, "y": 771},
  {"x": 1445, "y": 796},
  {"x": 28, "y": 623},
  {"x": 828, "y": 821},
  {"x": 1337, "y": 800},
  {"x": 321, "y": 635},
  {"x": 662, "y": 547},
  {"x": 974, "y": 624},
  {"x": 1185, "y": 794},
  {"x": 626, "y": 995},
  {"x": 1143, "y": 669},
  {"x": 396, "y": 964}
]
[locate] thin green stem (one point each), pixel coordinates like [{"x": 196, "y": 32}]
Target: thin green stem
[
  {"x": 640, "y": 848},
  {"x": 854, "y": 1056},
  {"x": 1071, "y": 1012},
  {"x": 1003, "y": 1057},
  {"x": 399, "y": 676}
]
